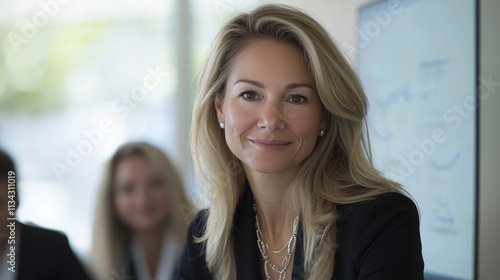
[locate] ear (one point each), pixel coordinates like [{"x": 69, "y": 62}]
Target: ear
[
  {"x": 324, "y": 119},
  {"x": 218, "y": 109},
  {"x": 323, "y": 124}
]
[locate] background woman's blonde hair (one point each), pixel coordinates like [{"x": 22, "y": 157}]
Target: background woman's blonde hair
[
  {"x": 339, "y": 169},
  {"x": 111, "y": 237}
]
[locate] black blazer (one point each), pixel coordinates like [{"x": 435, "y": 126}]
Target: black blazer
[
  {"x": 46, "y": 254},
  {"x": 378, "y": 240}
]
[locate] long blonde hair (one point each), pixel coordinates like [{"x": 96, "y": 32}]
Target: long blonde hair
[
  {"x": 339, "y": 170},
  {"x": 111, "y": 237}
]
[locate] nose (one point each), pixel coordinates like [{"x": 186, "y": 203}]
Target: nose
[
  {"x": 143, "y": 196},
  {"x": 272, "y": 116}
]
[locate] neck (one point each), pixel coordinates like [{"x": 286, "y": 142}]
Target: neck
[
  {"x": 149, "y": 238},
  {"x": 274, "y": 205},
  {"x": 151, "y": 244}
]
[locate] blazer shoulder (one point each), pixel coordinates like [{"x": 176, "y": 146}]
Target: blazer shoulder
[
  {"x": 389, "y": 203},
  {"x": 43, "y": 233},
  {"x": 380, "y": 238},
  {"x": 38, "y": 237},
  {"x": 47, "y": 254},
  {"x": 198, "y": 225},
  {"x": 394, "y": 198}
]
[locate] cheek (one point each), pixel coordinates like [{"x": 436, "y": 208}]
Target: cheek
[
  {"x": 160, "y": 198},
  {"x": 306, "y": 127},
  {"x": 239, "y": 119},
  {"x": 123, "y": 206}
]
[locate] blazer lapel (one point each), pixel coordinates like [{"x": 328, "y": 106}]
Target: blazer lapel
[
  {"x": 246, "y": 252},
  {"x": 298, "y": 261}
]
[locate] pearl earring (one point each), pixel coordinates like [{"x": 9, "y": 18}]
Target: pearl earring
[
  {"x": 321, "y": 133},
  {"x": 221, "y": 125}
]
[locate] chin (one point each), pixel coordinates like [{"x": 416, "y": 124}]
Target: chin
[
  {"x": 146, "y": 227},
  {"x": 147, "y": 224},
  {"x": 268, "y": 167}
]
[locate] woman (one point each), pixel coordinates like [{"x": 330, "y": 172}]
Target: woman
[
  {"x": 138, "y": 226},
  {"x": 279, "y": 147}
]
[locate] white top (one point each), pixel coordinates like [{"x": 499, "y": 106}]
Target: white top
[{"x": 167, "y": 262}]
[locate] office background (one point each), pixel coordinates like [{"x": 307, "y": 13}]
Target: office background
[{"x": 78, "y": 78}]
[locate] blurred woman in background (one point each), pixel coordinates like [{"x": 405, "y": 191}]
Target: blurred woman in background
[{"x": 138, "y": 227}]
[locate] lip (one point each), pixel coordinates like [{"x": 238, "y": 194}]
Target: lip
[
  {"x": 146, "y": 211},
  {"x": 270, "y": 144}
]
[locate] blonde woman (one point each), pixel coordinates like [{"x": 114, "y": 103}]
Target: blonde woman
[
  {"x": 138, "y": 227},
  {"x": 279, "y": 148}
]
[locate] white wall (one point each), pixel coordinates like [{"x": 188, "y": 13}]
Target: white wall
[{"x": 340, "y": 19}]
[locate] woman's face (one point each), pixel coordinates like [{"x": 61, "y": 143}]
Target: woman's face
[
  {"x": 271, "y": 110},
  {"x": 140, "y": 195}
]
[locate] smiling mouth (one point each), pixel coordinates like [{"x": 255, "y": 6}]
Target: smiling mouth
[{"x": 270, "y": 144}]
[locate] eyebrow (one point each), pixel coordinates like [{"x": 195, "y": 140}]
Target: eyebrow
[{"x": 260, "y": 85}]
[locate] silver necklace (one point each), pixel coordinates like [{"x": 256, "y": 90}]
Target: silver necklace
[{"x": 290, "y": 246}]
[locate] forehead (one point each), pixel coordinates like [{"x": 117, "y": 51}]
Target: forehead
[
  {"x": 270, "y": 61},
  {"x": 131, "y": 165}
]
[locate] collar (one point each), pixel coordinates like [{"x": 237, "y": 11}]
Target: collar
[{"x": 167, "y": 259}]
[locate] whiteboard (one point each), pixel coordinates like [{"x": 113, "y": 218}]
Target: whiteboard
[{"x": 417, "y": 63}]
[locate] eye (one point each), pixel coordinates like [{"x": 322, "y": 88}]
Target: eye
[
  {"x": 126, "y": 188},
  {"x": 297, "y": 99},
  {"x": 249, "y": 95},
  {"x": 156, "y": 182}
]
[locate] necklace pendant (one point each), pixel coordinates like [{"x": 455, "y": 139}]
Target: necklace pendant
[{"x": 290, "y": 246}]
